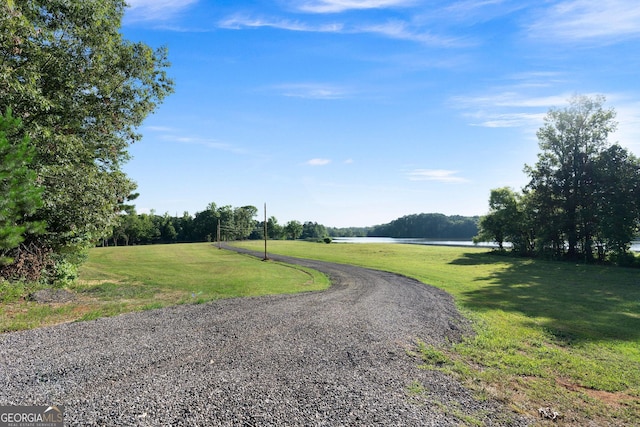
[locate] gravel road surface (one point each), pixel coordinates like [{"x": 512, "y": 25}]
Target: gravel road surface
[{"x": 331, "y": 358}]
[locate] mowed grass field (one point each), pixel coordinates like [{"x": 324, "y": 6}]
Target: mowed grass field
[
  {"x": 122, "y": 279},
  {"x": 548, "y": 334}
]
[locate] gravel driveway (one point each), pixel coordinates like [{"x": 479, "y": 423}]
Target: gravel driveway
[{"x": 337, "y": 357}]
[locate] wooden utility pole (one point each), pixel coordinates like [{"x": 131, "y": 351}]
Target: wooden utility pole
[
  {"x": 265, "y": 233},
  {"x": 219, "y": 242}
]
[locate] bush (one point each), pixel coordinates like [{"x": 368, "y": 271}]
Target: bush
[
  {"x": 65, "y": 267},
  {"x": 625, "y": 259}
]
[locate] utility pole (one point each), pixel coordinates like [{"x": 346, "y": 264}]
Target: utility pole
[
  {"x": 265, "y": 233},
  {"x": 219, "y": 242}
]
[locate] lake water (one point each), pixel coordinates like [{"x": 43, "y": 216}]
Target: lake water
[{"x": 635, "y": 245}]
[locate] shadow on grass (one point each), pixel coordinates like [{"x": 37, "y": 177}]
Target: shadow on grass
[{"x": 574, "y": 302}]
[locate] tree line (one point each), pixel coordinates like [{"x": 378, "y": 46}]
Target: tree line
[
  {"x": 239, "y": 224},
  {"x": 73, "y": 92},
  {"x": 582, "y": 201},
  {"x": 428, "y": 225},
  {"x": 226, "y": 223}
]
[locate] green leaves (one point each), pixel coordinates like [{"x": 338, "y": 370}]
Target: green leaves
[
  {"x": 81, "y": 91},
  {"x": 582, "y": 197},
  {"x": 19, "y": 192}
]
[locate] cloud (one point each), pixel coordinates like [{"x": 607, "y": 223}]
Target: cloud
[
  {"x": 173, "y": 135},
  {"x": 311, "y": 91},
  {"x": 394, "y": 29},
  {"x": 238, "y": 22},
  {"x": 159, "y": 129},
  {"x": 507, "y": 109},
  {"x": 440, "y": 175},
  {"x": 588, "y": 20},
  {"x": 318, "y": 162},
  {"x": 336, "y": 6},
  {"x": 155, "y": 10},
  {"x": 401, "y": 30}
]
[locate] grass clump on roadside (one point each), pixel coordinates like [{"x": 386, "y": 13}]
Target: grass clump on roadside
[
  {"x": 117, "y": 280},
  {"x": 548, "y": 334}
]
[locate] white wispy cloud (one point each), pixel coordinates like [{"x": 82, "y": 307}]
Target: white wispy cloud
[
  {"x": 474, "y": 11},
  {"x": 508, "y": 109},
  {"x": 402, "y": 30},
  {"x": 318, "y": 162},
  {"x": 440, "y": 175},
  {"x": 238, "y": 22},
  {"x": 394, "y": 29},
  {"x": 337, "y": 6},
  {"x": 154, "y": 10},
  {"x": 312, "y": 90},
  {"x": 511, "y": 109},
  {"x": 159, "y": 128},
  {"x": 175, "y": 135},
  {"x": 588, "y": 20}
]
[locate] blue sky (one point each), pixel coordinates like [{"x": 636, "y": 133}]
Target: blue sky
[{"x": 357, "y": 112}]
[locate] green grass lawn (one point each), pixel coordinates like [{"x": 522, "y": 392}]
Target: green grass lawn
[
  {"x": 548, "y": 334},
  {"x": 120, "y": 279}
]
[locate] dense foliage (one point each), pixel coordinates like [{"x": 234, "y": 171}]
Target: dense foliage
[
  {"x": 233, "y": 223},
  {"x": 238, "y": 224},
  {"x": 20, "y": 194},
  {"x": 81, "y": 91},
  {"x": 583, "y": 197},
  {"x": 428, "y": 225}
]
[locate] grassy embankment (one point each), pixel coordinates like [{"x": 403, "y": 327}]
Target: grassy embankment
[
  {"x": 122, "y": 279},
  {"x": 549, "y": 334}
]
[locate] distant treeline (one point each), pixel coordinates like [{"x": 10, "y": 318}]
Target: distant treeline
[
  {"x": 238, "y": 223},
  {"x": 215, "y": 222},
  {"x": 428, "y": 225}
]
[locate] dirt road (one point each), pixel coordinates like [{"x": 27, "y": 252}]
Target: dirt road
[{"x": 337, "y": 357}]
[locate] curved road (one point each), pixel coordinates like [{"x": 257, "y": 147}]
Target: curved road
[{"x": 337, "y": 357}]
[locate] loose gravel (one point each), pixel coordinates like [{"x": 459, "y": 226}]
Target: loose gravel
[{"x": 331, "y": 358}]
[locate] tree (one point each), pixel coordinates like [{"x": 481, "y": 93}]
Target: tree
[
  {"x": 20, "y": 194},
  {"x": 499, "y": 225},
  {"x": 571, "y": 140},
  {"x": 507, "y": 221},
  {"x": 274, "y": 230},
  {"x": 293, "y": 229},
  {"x": 617, "y": 200},
  {"x": 168, "y": 233},
  {"x": 205, "y": 223},
  {"x": 244, "y": 221},
  {"x": 313, "y": 231},
  {"x": 583, "y": 194},
  {"x": 427, "y": 225},
  {"x": 81, "y": 91},
  {"x": 228, "y": 229}
]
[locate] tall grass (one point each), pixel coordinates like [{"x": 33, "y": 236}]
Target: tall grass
[{"x": 547, "y": 333}]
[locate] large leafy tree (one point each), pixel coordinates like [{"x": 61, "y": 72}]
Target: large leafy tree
[
  {"x": 19, "y": 191},
  {"x": 293, "y": 229},
  {"x": 244, "y": 222},
  {"x": 584, "y": 194},
  {"x": 617, "y": 199},
  {"x": 571, "y": 141},
  {"x": 502, "y": 223},
  {"x": 81, "y": 91}
]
